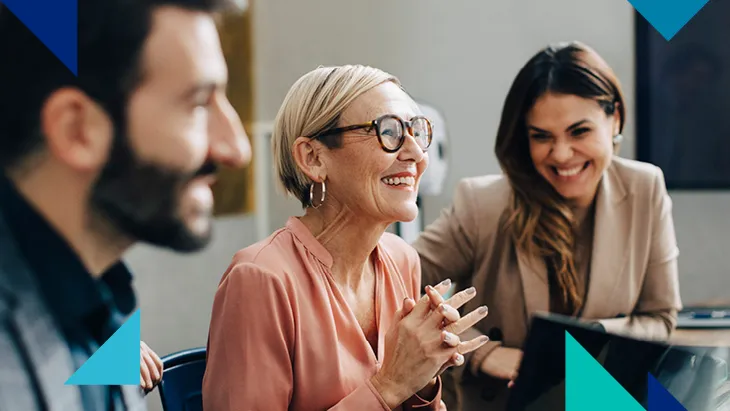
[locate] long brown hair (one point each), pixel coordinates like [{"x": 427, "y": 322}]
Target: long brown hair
[{"x": 539, "y": 219}]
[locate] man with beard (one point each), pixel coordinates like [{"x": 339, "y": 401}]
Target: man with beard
[{"x": 123, "y": 153}]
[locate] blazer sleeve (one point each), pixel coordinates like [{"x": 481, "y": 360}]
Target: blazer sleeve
[
  {"x": 447, "y": 246},
  {"x": 447, "y": 249},
  {"x": 655, "y": 315}
]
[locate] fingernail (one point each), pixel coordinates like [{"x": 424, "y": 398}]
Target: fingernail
[
  {"x": 483, "y": 310},
  {"x": 459, "y": 359},
  {"x": 471, "y": 290},
  {"x": 483, "y": 339},
  {"x": 445, "y": 282},
  {"x": 447, "y": 337},
  {"x": 429, "y": 288}
]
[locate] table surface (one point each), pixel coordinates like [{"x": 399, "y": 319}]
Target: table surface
[{"x": 701, "y": 337}]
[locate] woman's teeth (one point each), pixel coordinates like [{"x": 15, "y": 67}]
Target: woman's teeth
[
  {"x": 399, "y": 181},
  {"x": 568, "y": 172}
]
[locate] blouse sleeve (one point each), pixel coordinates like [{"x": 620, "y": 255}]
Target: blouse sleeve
[
  {"x": 251, "y": 344},
  {"x": 251, "y": 337}
]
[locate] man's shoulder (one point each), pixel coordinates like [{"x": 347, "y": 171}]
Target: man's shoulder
[{"x": 34, "y": 349}]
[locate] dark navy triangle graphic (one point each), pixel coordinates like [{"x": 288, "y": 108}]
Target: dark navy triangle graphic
[
  {"x": 54, "y": 22},
  {"x": 116, "y": 362},
  {"x": 660, "y": 399},
  {"x": 668, "y": 16}
]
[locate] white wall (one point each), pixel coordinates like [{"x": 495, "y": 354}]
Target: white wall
[{"x": 460, "y": 56}]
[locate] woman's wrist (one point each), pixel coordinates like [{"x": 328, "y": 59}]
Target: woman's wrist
[
  {"x": 389, "y": 391},
  {"x": 429, "y": 392}
]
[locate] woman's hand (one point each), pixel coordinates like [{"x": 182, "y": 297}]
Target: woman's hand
[
  {"x": 502, "y": 363},
  {"x": 451, "y": 318},
  {"x": 418, "y": 348},
  {"x": 150, "y": 367}
]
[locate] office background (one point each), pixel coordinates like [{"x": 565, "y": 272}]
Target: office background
[{"x": 459, "y": 56}]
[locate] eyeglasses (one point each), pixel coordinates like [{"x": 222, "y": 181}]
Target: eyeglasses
[{"x": 391, "y": 131}]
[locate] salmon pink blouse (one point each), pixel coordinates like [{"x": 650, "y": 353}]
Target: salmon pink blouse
[{"x": 282, "y": 336}]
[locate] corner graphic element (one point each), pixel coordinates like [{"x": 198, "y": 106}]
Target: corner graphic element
[
  {"x": 116, "y": 362},
  {"x": 54, "y": 22},
  {"x": 588, "y": 386},
  {"x": 668, "y": 16}
]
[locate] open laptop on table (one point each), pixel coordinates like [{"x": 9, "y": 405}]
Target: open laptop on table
[{"x": 691, "y": 374}]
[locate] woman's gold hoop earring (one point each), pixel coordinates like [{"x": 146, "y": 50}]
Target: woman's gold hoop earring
[{"x": 311, "y": 195}]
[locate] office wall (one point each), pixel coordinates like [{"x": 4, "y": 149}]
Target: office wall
[{"x": 459, "y": 56}]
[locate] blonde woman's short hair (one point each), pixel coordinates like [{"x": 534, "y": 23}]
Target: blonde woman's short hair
[{"x": 314, "y": 105}]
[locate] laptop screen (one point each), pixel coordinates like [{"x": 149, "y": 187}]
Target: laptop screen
[{"x": 693, "y": 375}]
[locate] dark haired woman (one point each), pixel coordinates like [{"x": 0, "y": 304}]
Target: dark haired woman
[{"x": 569, "y": 228}]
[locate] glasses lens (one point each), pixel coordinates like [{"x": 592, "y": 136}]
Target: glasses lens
[
  {"x": 421, "y": 132},
  {"x": 391, "y": 132}
]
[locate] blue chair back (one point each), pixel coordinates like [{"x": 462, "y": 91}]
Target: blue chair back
[{"x": 182, "y": 381}]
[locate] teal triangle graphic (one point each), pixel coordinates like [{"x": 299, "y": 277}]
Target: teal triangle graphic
[
  {"x": 116, "y": 362},
  {"x": 588, "y": 386},
  {"x": 660, "y": 399},
  {"x": 668, "y": 16}
]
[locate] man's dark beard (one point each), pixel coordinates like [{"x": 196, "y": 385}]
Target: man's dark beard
[{"x": 142, "y": 200}]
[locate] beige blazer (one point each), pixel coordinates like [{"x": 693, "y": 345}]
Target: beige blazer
[{"x": 633, "y": 285}]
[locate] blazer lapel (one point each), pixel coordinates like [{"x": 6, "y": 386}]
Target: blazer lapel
[
  {"x": 534, "y": 283},
  {"x": 610, "y": 244},
  {"x": 39, "y": 338}
]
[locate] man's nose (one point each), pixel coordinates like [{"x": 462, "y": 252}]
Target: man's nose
[{"x": 229, "y": 143}]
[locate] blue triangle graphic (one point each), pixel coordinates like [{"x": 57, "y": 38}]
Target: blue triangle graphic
[
  {"x": 116, "y": 362},
  {"x": 55, "y": 23},
  {"x": 660, "y": 399},
  {"x": 588, "y": 386},
  {"x": 668, "y": 16}
]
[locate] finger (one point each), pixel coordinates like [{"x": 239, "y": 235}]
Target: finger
[
  {"x": 405, "y": 309},
  {"x": 145, "y": 374},
  {"x": 408, "y": 305},
  {"x": 423, "y": 305},
  {"x": 450, "y": 339},
  {"x": 157, "y": 360},
  {"x": 468, "y": 320},
  {"x": 443, "y": 287},
  {"x": 444, "y": 313},
  {"x": 434, "y": 296},
  {"x": 154, "y": 372},
  {"x": 471, "y": 345},
  {"x": 462, "y": 297},
  {"x": 436, "y": 293},
  {"x": 449, "y": 313},
  {"x": 457, "y": 359}
]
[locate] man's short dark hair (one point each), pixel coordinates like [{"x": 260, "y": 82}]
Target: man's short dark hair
[{"x": 111, "y": 38}]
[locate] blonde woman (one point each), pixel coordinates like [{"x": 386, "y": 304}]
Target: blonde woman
[
  {"x": 326, "y": 313},
  {"x": 569, "y": 228}
]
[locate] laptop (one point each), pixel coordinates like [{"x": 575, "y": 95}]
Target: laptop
[{"x": 694, "y": 376}]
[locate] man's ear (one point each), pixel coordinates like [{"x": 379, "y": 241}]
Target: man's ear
[
  {"x": 78, "y": 132},
  {"x": 308, "y": 156}
]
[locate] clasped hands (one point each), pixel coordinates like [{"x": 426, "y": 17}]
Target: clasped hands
[{"x": 423, "y": 341}]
